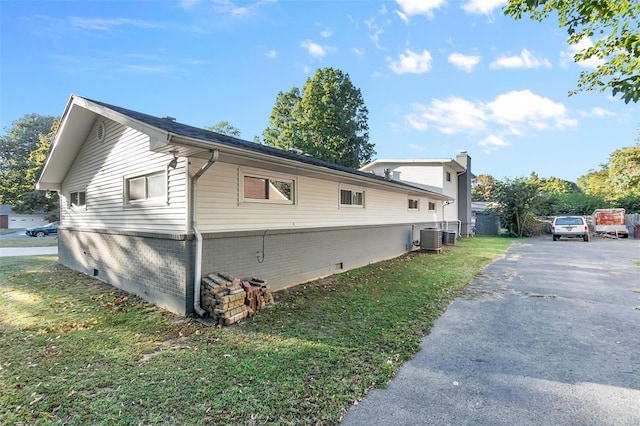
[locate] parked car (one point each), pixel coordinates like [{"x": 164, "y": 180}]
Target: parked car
[
  {"x": 570, "y": 226},
  {"x": 44, "y": 230}
]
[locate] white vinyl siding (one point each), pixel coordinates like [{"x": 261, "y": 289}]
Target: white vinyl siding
[
  {"x": 317, "y": 205},
  {"x": 101, "y": 167}
]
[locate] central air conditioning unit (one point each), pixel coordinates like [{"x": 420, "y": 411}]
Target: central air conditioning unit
[{"x": 431, "y": 239}]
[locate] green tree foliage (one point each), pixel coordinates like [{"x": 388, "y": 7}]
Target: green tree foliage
[
  {"x": 327, "y": 119},
  {"x": 22, "y": 152},
  {"x": 225, "y": 128},
  {"x": 483, "y": 188},
  {"x": 618, "y": 181},
  {"x": 517, "y": 200},
  {"x": 612, "y": 25}
]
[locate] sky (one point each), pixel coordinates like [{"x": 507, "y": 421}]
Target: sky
[{"x": 437, "y": 76}]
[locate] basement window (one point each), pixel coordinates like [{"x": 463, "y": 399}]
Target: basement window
[
  {"x": 77, "y": 199},
  {"x": 267, "y": 189},
  {"x": 351, "y": 197},
  {"x": 151, "y": 187}
]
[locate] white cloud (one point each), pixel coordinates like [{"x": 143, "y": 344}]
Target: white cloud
[
  {"x": 358, "y": 51},
  {"x": 272, "y": 54},
  {"x": 188, "y": 4},
  {"x": 450, "y": 116},
  {"x": 326, "y": 33},
  {"x": 316, "y": 50},
  {"x": 525, "y": 60},
  {"x": 596, "y": 112},
  {"x": 227, "y": 7},
  {"x": 412, "y": 62},
  {"x": 150, "y": 69},
  {"x": 107, "y": 24},
  {"x": 418, "y": 7},
  {"x": 376, "y": 31},
  {"x": 464, "y": 62},
  {"x": 482, "y": 7},
  {"x": 523, "y": 108},
  {"x": 566, "y": 57},
  {"x": 514, "y": 113},
  {"x": 492, "y": 143},
  {"x": 416, "y": 148}
]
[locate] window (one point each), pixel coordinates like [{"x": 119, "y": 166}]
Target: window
[
  {"x": 448, "y": 176},
  {"x": 350, "y": 197},
  {"x": 432, "y": 205},
  {"x": 264, "y": 189},
  {"x": 77, "y": 199},
  {"x": 147, "y": 187},
  {"x": 413, "y": 204}
]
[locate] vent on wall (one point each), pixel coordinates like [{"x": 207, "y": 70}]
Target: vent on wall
[{"x": 101, "y": 132}]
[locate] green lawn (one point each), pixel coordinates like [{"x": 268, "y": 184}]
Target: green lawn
[
  {"x": 75, "y": 351},
  {"x": 47, "y": 241}
]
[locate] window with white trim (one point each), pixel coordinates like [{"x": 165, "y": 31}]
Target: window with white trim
[
  {"x": 77, "y": 199},
  {"x": 149, "y": 187},
  {"x": 351, "y": 197},
  {"x": 256, "y": 188},
  {"x": 432, "y": 205},
  {"x": 414, "y": 203},
  {"x": 448, "y": 176}
]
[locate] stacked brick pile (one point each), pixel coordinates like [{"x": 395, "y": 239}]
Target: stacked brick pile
[{"x": 229, "y": 300}]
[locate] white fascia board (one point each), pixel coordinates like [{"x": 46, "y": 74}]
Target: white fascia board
[{"x": 457, "y": 167}]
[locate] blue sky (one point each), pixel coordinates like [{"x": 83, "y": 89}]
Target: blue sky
[{"x": 437, "y": 76}]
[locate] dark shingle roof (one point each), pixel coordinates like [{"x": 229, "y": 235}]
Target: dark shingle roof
[{"x": 180, "y": 129}]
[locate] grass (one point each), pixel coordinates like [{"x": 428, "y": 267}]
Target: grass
[
  {"x": 48, "y": 241},
  {"x": 75, "y": 351}
]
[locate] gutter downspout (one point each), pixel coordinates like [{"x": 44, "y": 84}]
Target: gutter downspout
[{"x": 194, "y": 225}]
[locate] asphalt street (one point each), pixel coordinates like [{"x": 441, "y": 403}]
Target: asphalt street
[
  {"x": 547, "y": 335},
  {"x": 24, "y": 251}
]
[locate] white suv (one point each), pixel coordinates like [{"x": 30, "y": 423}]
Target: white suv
[{"x": 570, "y": 226}]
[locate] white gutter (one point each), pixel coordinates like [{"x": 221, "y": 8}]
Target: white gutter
[{"x": 197, "y": 274}]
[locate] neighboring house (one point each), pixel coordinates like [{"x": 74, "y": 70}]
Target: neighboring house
[
  {"x": 12, "y": 220},
  {"x": 451, "y": 178},
  {"x": 151, "y": 206}
]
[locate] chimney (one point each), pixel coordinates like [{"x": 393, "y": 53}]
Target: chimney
[{"x": 464, "y": 195}]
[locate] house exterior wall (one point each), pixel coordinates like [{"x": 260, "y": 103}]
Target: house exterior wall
[
  {"x": 220, "y": 207},
  {"x": 156, "y": 267},
  {"x": 430, "y": 177},
  {"x": 100, "y": 170},
  {"x": 289, "y": 257}
]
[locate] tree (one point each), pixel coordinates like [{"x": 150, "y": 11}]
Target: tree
[
  {"x": 613, "y": 24},
  {"x": 517, "y": 201},
  {"x": 483, "y": 188},
  {"x": 225, "y": 128},
  {"x": 327, "y": 119},
  {"x": 617, "y": 181},
  {"x": 22, "y": 152}
]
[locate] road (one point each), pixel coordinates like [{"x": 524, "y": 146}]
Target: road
[
  {"x": 548, "y": 335},
  {"x": 24, "y": 251}
]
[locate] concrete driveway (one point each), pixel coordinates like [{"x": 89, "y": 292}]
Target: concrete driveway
[{"x": 548, "y": 335}]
